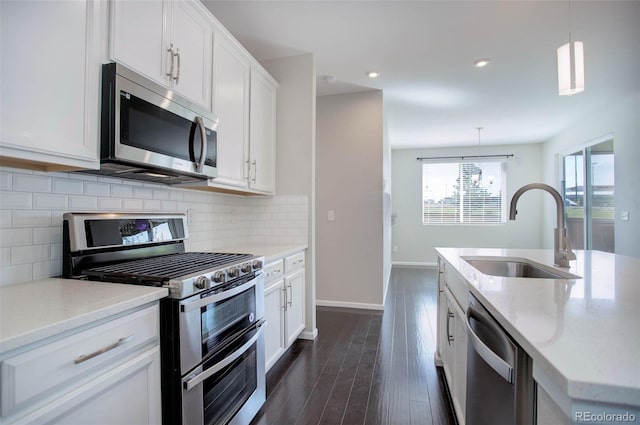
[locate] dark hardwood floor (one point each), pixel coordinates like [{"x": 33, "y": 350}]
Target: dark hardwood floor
[{"x": 365, "y": 367}]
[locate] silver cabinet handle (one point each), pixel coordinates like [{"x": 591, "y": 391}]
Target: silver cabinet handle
[
  {"x": 273, "y": 273},
  {"x": 248, "y": 170},
  {"x": 177, "y": 77},
  {"x": 188, "y": 385},
  {"x": 203, "y": 137},
  {"x": 497, "y": 363},
  {"x": 172, "y": 54},
  {"x": 285, "y": 298},
  {"x": 83, "y": 358},
  {"x": 255, "y": 170},
  {"x": 290, "y": 295},
  {"x": 449, "y": 317}
]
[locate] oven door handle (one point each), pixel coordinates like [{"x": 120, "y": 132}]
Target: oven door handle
[
  {"x": 198, "y": 379},
  {"x": 202, "y": 302}
]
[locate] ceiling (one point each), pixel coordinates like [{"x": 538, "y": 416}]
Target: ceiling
[{"x": 424, "y": 51}]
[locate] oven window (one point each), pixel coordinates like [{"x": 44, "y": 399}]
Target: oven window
[
  {"x": 226, "y": 319},
  {"x": 226, "y": 391}
]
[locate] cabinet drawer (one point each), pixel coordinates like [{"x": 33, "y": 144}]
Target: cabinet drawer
[
  {"x": 65, "y": 363},
  {"x": 458, "y": 288},
  {"x": 273, "y": 271},
  {"x": 294, "y": 262}
]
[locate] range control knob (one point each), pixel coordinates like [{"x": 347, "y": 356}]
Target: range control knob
[
  {"x": 233, "y": 272},
  {"x": 257, "y": 264},
  {"x": 218, "y": 277},
  {"x": 202, "y": 282},
  {"x": 246, "y": 268}
]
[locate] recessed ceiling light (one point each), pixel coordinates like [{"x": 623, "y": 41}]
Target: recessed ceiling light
[
  {"x": 481, "y": 62},
  {"x": 373, "y": 74}
]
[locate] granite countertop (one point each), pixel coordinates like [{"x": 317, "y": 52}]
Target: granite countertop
[
  {"x": 270, "y": 252},
  {"x": 36, "y": 310},
  {"x": 582, "y": 334}
]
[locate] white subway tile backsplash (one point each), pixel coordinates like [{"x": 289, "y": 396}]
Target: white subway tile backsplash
[
  {"x": 132, "y": 204},
  {"x": 31, "y": 218},
  {"x": 31, "y": 183},
  {"x": 45, "y": 269},
  {"x": 5, "y": 181},
  {"x": 70, "y": 187},
  {"x": 5, "y": 219},
  {"x": 152, "y": 205},
  {"x": 96, "y": 189},
  {"x": 109, "y": 204},
  {"x": 5, "y": 257},
  {"x": 121, "y": 191},
  {"x": 31, "y": 221},
  {"x": 16, "y": 200},
  {"x": 30, "y": 254},
  {"x": 16, "y": 274},
  {"x": 16, "y": 237},
  {"x": 49, "y": 235},
  {"x": 83, "y": 203},
  {"x": 43, "y": 201},
  {"x": 142, "y": 193}
]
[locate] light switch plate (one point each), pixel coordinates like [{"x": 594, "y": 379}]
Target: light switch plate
[
  {"x": 331, "y": 215},
  {"x": 624, "y": 215}
]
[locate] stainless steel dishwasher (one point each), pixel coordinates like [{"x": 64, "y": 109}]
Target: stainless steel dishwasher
[{"x": 500, "y": 388}]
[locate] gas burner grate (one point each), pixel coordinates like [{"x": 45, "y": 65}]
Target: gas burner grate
[{"x": 165, "y": 267}]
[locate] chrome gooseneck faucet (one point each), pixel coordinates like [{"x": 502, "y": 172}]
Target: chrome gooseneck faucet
[{"x": 562, "y": 252}]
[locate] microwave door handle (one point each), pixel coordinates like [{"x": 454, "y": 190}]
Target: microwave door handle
[{"x": 203, "y": 150}]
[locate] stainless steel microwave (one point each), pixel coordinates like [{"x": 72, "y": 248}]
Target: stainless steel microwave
[{"x": 151, "y": 133}]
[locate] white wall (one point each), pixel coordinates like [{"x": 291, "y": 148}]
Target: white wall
[
  {"x": 386, "y": 209},
  {"x": 621, "y": 119},
  {"x": 414, "y": 242},
  {"x": 295, "y": 152},
  {"x": 349, "y": 182},
  {"x": 32, "y": 204}
]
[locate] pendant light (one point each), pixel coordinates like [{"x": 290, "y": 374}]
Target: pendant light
[
  {"x": 476, "y": 174},
  {"x": 570, "y": 65}
]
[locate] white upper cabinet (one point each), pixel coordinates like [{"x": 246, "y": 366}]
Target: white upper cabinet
[
  {"x": 231, "y": 71},
  {"x": 169, "y": 42},
  {"x": 50, "y": 82},
  {"x": 262, "y": 132}
]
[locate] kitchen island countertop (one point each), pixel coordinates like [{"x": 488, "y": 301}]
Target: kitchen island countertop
[{"x": 582, "y": 334}]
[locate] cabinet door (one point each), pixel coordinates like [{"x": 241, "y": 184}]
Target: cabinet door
[
  {"x": 50, "y": 81},
  {"x": 295, "y": 305},
  {"x": 193, "y": 44},
  {"x": 262, "y": 133},
  {"x": 139, "y": 37},
  {"x": 126, "y": 394},
  {"x": 274, "y": 329},
  {"x": 231, "y": 105},
  {"x": 449, "y": 344}
]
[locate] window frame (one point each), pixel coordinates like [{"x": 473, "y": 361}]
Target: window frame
[{"x": 503, "y": 164}]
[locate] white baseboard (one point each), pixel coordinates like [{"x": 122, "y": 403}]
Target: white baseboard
[
  {"x": 310, "y": 335},
  {"x": 345, "y": 304},
  {"x": 413, "y": 264}
]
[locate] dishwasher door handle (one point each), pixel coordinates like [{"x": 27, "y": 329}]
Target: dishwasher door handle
[{"x": 497, "y": 363}]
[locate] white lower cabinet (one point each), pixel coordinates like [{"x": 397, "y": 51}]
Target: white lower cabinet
[
  {"x": 107, "y": 374},
  {"x": 452, "y": 343},
  {"x": 274, "y": 309},
  {"x": 284, "y": 304}
]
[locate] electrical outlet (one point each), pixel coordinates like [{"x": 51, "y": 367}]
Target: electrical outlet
[
  {"x": 624, "y": 215},
  {"x": 395, "y": 248},
  {"x": 331, "y": 215}
]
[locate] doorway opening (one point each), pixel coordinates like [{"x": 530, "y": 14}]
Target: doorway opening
[{"x": 588, "y": 190}]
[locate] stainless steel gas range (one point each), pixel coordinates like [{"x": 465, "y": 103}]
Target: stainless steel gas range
[{"x": 212, "y": 346}]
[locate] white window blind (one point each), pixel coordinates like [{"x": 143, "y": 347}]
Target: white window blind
[{"x": 464, "y": 192}]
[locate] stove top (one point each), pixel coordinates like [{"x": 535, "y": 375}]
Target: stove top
[{"x": 147, "y": 249}]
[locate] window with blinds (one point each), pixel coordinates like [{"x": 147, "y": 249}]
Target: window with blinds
[{"x": 464, "y": 192}]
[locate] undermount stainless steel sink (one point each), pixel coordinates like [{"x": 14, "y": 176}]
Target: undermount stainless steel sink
[{"x": 515, "y": 267}]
